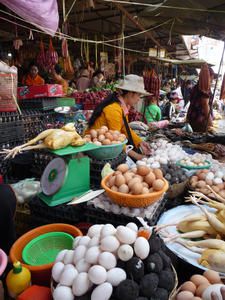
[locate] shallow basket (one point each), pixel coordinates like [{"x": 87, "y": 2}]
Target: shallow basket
[
  {"x": 107, "y": 151},
  {"x": 44, "y": 248},
  {"x": 177, "y": 189},
  {"x": 133, "y": 200},
  {"x": 208, "y": 166}
]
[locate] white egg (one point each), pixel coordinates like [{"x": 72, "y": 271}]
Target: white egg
[
  {"x": 126, "y": 235},
  {"x": 92, "y": 255},
  {"x": 94, "y": 230},
  {"x": 67, "y": 277},
  {"x": 67, "y": 267},
  {"x": 84, "y": 240},
  {"x": 132, "y": 226},
  {"x": 141, "y": 247},
  {"x": 79, "y": 253},
  {"x": 115, "y": 276},
  {"x": 217, "y": 180},
  {"x": 95, "y": 241},
  {"x": 81, "y": 284},
  {"x": 210, "y": 176},
  {"x": 213, "y": 288},
  {"x": 102, "y": 292},
  {"x": 60, "y": 255},
  {"x": 63, "y": 292},
  {"x": 140, "y": 163},
  {"x": 110, "y": 243},
  {"x": 125, "y": 252},
  {"x": 156, "y": 165},
  {"x": 107, "y": 260},
  {"x": 108, "y": 229},
  {"x": 125, "y": 211},
  {"x": 82, "y": 266},
  {"x": 136, "y": 212},
  {"x": 115, "y": 209},
  {"x": 97, "y": 274},
  {"x": 57, "y": 271},
  {"x": 68, "y": 258},
  {"x": 76, "y": 241}
]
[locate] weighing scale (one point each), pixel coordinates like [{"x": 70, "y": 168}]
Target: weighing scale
[{"x": 66, "y": 176}]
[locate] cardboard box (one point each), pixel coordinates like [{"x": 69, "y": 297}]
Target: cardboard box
[{"x": 40, "y": 91}]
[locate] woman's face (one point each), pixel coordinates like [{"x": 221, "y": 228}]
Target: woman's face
[
  {"x": 132, "y": 98},
  {"x": 33, "y": 71}
]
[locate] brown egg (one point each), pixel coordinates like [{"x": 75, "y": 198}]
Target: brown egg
[
  {"x": 115, "y": 136},
  {"x": 215, "y": 188},
  {"x": 128, "y": 176},
  {"x": 133, "y": 181},
  {"x": 114, "y": 188},
  {"x": 106, "y": 142},
  {"x": 93, "y": 133},
  {"x": 222, "y": 193},
  {"x": 123, "y": 168},
  {"x": 104, "y": 128},
  {"x": 220, "y": 186},
  {"x": 145, "y": 190},
  {"x": 121, "y": 139},
  {"x": 198, "y": 280},
  {"x": 119, "y": 180},
  {"x": 209, "y": 182},
  {"x": 158, "y": 185},
  {"x": 158, "y": 173},
  {"x": 140, "y": 177},
  {"x": 134, "y": 170},
  {"x": 151, "y": 190},
  {"x": 101, "y": 132},
  {"x": 205, "y": 171},
  {"x": 185, "y": 295},
  {"x": 109, "y": 136},
  {"x": 188, "y": 286},
  {"x": 201, "y": 184},
  {"x": 111, "y": 181},
  {"x": 142, "y": 170},
  {"x": 101, "y": 138},
  {"x": 137, "y": 188},
  {"x": 150, "y": 178},
  {"x": 194, "y": 178},
  {"x": 124, "y": 189},
  {"x": 196, "y": 298},
  {"x": 205, "y": 191},
  {"x": 117, "y": 173},
  {"x": 193, "y": 184},
  {"x": 202, "y": 176},
  {"x": 201, "y": 288},
  {"x": 212, "y": 276},
  {"x": 145, "y": 185}
]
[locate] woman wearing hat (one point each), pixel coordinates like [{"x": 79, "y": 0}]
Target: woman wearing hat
[{"x": 113, "y": 113}]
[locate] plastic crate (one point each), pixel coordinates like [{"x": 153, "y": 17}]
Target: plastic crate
[
  {"x": 39, "y": 103},
  {"x": 100, "y": 216}
]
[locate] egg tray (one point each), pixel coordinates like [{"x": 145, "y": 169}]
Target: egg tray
[
  {"x": 96, "y": 167},
  {"x": 69, "y": 214},
  {"x": 39, "y": 103},
  {"x": 99, "y": 216}
]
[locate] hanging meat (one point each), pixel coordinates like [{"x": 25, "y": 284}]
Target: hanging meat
[
  {"x": 68, "y": 68},
  {"x": 41, "y": 59},
  {"x": 152, "y": 82},
  {"x": 204, "y": 79},
  {"x": 222, "y": 92},
  {"x": 51, "y": 56}
]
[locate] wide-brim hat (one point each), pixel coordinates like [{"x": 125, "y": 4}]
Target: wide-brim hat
[{"x": 132, "y": 83}]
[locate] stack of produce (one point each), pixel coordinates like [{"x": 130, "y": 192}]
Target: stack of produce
[
  {"x": 194, "y": 161},
  {"x": 136, "y": 181},
  {"x": 114, "y": 263},
  {"x": 173, "y": 173},
  {"x": 209, "y": 178},
  {"x": 200, "y": 287},
  {"x": 90, "y": 100},
  {"x": 104, "y": 136}
]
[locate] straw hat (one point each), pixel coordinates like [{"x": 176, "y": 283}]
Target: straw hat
[{"x": 132, "y": 83}]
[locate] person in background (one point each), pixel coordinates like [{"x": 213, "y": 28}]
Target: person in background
[
  {"x": 97, "y": 79},
  {"x": 58, "y": 79},
  {"x": 152, "y": 111},
  {"x": 91, "y": 69},
  {"x": 83, "y": 82},
  {"x": 113, "y": 113},
  {"x": 186, "y": 91},
  {"x": 166, "y": 87},
  {"x": 33, "y": 78},
  {"x": 170, "y": 108},
  {"x": 200, "y": 112}
]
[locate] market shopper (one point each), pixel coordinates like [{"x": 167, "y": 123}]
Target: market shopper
[
  {"x": 113, "y": 113},
  {"x": 33, "y": 78},
  {"x": 83, "y": 82},
  {"x": 58, "y": 79},
  {"x": 97, "y": 79},
  {"x": 200, "y": 112},
  {"x": 7, "y": 212}
]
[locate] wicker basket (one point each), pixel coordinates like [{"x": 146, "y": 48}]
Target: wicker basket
[
  {"x": 174, "y": 291},
  {"x": 133, "y": 200},
  {"x": 177, "y": 189}
]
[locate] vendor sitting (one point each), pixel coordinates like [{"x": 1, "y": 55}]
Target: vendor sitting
[
  {"x": 32, "y": 78},
  {"x": 113, "y": 113}
]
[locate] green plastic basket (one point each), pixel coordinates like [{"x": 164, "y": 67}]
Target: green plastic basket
[
  {"x": 208, "y": 166},
  {"x": 107, "y": 151},
  {"x": 43, "y": 249}
]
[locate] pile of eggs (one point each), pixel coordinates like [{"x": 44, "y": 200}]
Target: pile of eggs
[
  {"x": 200, "y": 287},
  {"x": 105, "y": 203},
  {"x": 113, "y": 263},
  {"x": 215, "y": 180},
  {"x": 173, "y": 173},
  {"x": 104, "y": 136},
  {"x": 136, "y": 181},
  {"x": 192, "y": 161}
]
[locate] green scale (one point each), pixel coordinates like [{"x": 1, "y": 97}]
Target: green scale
[{"x": 66, "y": 176}]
